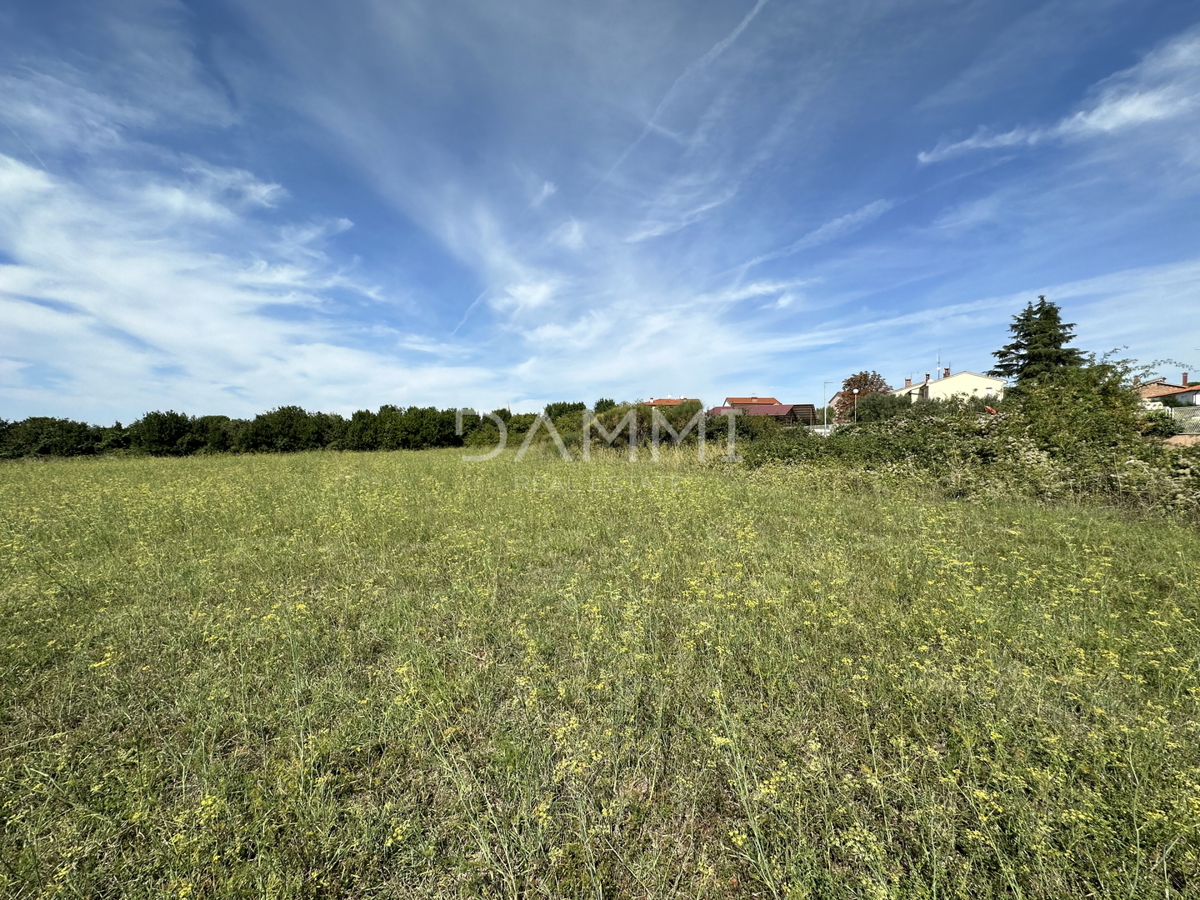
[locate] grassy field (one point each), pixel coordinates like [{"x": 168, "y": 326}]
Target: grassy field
[{"x": 398, "y": 675}]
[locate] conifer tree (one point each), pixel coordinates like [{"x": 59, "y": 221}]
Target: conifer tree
[{"x": 1039, "y": 344}]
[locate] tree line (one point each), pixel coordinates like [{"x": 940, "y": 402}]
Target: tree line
[
  {"x": 287, "y": 429},
  {"x": 283, "y": 430}
]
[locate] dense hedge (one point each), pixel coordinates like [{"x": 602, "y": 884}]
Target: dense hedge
[
  {"x": 1079, "y": 432},
  {"x": 44, "y": 436},
  {"x": 282, "y": 430}
]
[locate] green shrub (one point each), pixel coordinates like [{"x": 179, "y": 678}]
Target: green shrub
[
  {"x": 163, "y": 434},
  {"x": 554, "y": 410},
  {"x": 216, "y": 434},
  {"x": 289, "y": 429},
  {"x": 362, "y": 431},
  {"x": 46, "y": 436},
  {"x": 878, "y": 407},
  {"x": 486, "y": 435},
  {"x": 1075, "y": 432},
  {"x": 1084, "y": 416},
  {"x": 1160, "y": 424},
  {"x": 520, "y": 423}
]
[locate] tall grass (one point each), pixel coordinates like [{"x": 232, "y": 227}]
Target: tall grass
[{"x": 398, "y": 675}]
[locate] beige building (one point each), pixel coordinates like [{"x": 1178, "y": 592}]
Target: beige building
[{"x": 960, "y": 384}]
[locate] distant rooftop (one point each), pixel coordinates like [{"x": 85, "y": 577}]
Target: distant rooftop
[{"x": 751, "y": 401}]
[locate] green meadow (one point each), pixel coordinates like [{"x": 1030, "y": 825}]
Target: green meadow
[{"x": 402, "y": 675}]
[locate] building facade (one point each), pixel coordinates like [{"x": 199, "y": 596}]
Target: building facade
[{"x": 960, "y": 384}]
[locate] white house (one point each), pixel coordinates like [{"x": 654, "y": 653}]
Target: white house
[
  {"x": 1188, "y": 396},
  {"x": 960, "y": 384}
]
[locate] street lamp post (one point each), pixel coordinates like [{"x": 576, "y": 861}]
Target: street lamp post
[{"x": 855, "y": 392}]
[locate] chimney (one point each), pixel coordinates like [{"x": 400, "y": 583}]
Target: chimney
[
  {"x": 926, "y": 376},
  {"x": 946, "y": 372},
  {"x": 1185, "y": 375},
  {"x": 908, "y": 382}
]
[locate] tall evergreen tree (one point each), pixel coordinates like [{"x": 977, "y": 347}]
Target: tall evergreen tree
[{"x": 1039, "y": 344}]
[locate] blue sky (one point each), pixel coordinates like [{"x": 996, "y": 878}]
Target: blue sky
[{"x": 230, "y": 206}]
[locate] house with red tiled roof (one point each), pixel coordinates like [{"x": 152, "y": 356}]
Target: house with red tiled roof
[
  {"x": 1188, "y": 396},
  {"x": 748, "y": 403},
  {"x": 1150, "y": 392},
  {"x": 672, "y": 401}
]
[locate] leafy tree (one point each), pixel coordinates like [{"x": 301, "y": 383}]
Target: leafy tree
[
  {"x": 1080, "y": 414},
  {"x": 604, "y": 404},
  {"x": 331, "y": 428},
  {"x": 362, "y": 431},
  {"x": 115, "y": 437},
  {"x": 289, "y": 429},
  {"x": 1039, "y": 344},
  {"x": 520, "y": 423},
  {"x": 161, "y": 433},
  {"x": 45, "y": 436},
  {"x": 867, "y": 383},
  {"x": 554, "y": 410},
  {"x": 216, "y": 434},
  {"x": 486, "y": 435},
  {"x": 877, "y": 407},
  {"x": 416, "y": 428}
]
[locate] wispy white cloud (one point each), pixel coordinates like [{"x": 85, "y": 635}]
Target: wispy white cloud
[
  {"x": 971, "y": 214},
  {"x": 56, "y": 112},
  {"x": 142, "y": 277},
  {"x": 829, "y": 231},
  {"x": 1163, "y": 87},
  {"x": 652, "y": 124},
  {"x": 569, "y": 235},
  {"x": 756, "y": 290},
  {"x": 663, "y": 226},
  {"x": 528, "y": 295},
  {"x": 96, "y": 286},
  {"x": 548, "y": 189}
]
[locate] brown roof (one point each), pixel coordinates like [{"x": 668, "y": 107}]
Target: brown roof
[
  {"x": 1157, "y": 388},
  {"x": 1186, "y": 390},
  {"x": 802, "y": 411},
  {"x": 751, "y": 401},
  {"x": 672, "y": 401}
]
